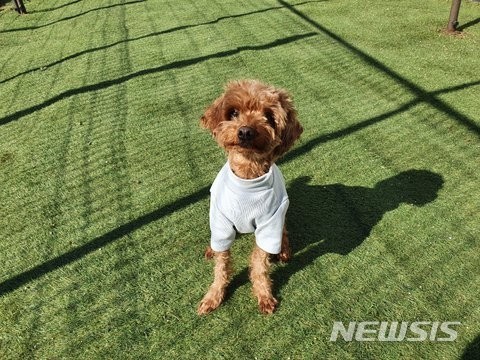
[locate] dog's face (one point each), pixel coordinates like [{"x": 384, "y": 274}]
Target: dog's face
[{"x": 253, "y": 118}]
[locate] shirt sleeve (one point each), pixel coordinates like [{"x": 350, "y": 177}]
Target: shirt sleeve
[
  {"x": 269, "y": 233},
  {"x": 223, "y": 232}
]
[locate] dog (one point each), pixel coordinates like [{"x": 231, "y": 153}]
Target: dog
[{"x": 255, "y": 124}]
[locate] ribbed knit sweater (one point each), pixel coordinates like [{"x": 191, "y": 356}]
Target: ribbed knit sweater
[{"x": 254, "y": 205}]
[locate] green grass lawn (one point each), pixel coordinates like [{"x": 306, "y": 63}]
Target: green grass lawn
[{"x": 105, "y": 172}]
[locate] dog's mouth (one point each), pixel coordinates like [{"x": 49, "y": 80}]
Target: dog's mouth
[
  {"x": 243, "y": 146},
  {"x": 246, "y": 144}
]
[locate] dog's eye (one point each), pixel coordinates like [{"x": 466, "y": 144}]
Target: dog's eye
[
  {"x": 232, "y": 113},
  {"x": 270, "y": 118}
]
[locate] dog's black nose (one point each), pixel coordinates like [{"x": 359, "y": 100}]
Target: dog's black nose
[{"x": 246, "y": 133}]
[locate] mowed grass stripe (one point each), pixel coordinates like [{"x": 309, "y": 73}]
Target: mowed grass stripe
[
  {"x": 105, "y": 193},
  {"x": 175, "y": 65}
]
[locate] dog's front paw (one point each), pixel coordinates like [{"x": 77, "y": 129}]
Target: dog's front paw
[
  {"x": 207, "y": 305},
  {"x": 267, "y": 305},
  {"x": 212, "y": 300}
]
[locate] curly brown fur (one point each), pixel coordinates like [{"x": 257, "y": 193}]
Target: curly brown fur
[
  {"x": 268, "y": 111},
  {"x": 216, "y": 292},
  {"x": 256, "y": 124},
  {"x": 261, "y": 283}
]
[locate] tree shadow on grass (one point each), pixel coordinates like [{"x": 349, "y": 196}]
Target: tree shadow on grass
[{"x": 337, "y": 218}]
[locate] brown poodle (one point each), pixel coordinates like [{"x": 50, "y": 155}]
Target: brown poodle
[{"x": 256, "y": 124}]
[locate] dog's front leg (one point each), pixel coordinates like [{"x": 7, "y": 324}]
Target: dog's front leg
[
  {"x": 214, "y": 297},
  {"x": 262, "y": 284}
]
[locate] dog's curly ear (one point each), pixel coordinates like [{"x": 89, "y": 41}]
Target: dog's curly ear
[
  {"x": 292, "y": 129},
  {"x": 213, "y": 115}
]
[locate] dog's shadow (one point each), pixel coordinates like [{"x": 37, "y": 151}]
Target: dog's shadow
[{"x": 337, "y": 218}]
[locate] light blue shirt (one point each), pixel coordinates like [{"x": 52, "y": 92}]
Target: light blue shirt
[{"x": 254, "y": 205}]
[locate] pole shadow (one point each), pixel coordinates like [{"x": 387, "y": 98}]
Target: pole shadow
[
  {"x": 70, "y": 17},
  {"x": 420, "y": 93},
  {"x": 19, "y": 280},
  {"x": 157, "y": 69},
  {"x": 56, "y": 7},
  {"x": 467, "y": 25},
  {"x": 337, "y": 218},
  {"x": 141, "y": 37}
]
